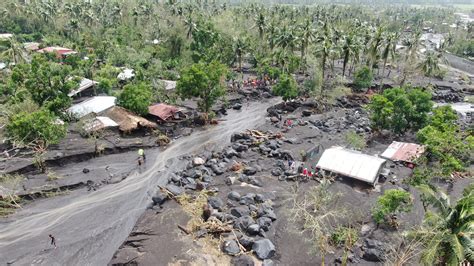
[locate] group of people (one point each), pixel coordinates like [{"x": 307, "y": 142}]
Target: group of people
[
  {"x": 251, "y": 83},
  {"x": 304, "y": 171}
]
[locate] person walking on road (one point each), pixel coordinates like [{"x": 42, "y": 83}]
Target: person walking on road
[
  {"x": 141, "y": 153},
  {"x": 53, "y": 240}
]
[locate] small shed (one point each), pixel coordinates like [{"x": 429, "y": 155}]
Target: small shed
[
  {"x": 99, "y": 123},
  {"x": 352, "y": 164},
  {"x": 95, "y": 104},
  {"x": 162, "y": 111},
  {"x": 126, "y": 120},
  {"x": 84, "y": 86},
  {"x": 403, "y": 152}
]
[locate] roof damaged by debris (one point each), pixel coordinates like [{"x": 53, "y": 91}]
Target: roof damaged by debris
[{"x": 126, "y": 120}]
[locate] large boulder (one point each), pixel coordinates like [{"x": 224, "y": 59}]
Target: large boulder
[
  {"x": 159, "y": 198},
  {"x": 233, "y": 195},
  {"x": 242, "y": 260},
  {"x": 374, "y": 250},
  {"x": 250, "y": 170},
  {"x": 198, "y": 161},
  {"x": 175, "y": 190},
  {"x": 231, "y": 247},
  {"x": 264, "y": 249},
  {"x": 240, "y": 211},
  {"x": 215, "y": 203}
]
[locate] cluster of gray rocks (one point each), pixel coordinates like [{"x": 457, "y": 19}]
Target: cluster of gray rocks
[{"x": 250, "y": 214}]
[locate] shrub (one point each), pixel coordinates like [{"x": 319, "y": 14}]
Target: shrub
[
  {"x": 286, "y": 87},
  {"x": 136, "y": 98},
  {"x": 344, "y": 236},
  {"x": 363, "y": 78},
  {"x": 391, "y": 202}
]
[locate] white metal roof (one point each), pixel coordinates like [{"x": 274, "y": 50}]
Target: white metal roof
[
  {"x": 84, "y": 85},
  {"x": 93, "y": 105},
  {"x": 169, "y": 84},
  {"x": 351, "y": 164}
]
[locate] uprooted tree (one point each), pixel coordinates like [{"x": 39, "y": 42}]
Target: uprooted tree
[
  {"x": 36, "y": 130},
  {"x": 205, "y": 81}
]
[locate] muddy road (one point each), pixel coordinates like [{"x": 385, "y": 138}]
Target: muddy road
[{"x": 90, "y": 226}]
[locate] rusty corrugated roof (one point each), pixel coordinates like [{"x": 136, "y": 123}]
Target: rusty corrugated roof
[
  {"x": 163, "y": 111},
  {"x": 404, "y": 152}
]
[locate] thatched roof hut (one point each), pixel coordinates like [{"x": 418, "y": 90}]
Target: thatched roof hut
[{"x": 126, "y": 120}]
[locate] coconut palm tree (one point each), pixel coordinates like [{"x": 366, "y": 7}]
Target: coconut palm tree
[
  {"x": 374, "y": 47},
  {"x": 347, "y": 50},
  {"x": 306, "y": 35},
  {"x": 260, "y": 24},
  {"x": 389, "y": 44},
  {"x": 12, "y": 50},
  {"x": 447, "y": 229},
  {"x": 286, "y": 38},
  {"x": 430, "y": 64},
  {"x": 240, "y": 48}
]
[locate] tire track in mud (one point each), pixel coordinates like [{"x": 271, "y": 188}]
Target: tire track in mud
[{"x": 90, "y": 227}]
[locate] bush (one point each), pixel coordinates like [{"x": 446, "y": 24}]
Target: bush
[
  {"x": 363, "y": 78},
  {"x": 391, "y": 202},
  {"x": 39, "y": 127},
  {"x": 400, "y": 109},
  {"x": 344, "y": 236},
  {"x": 286, "y": 87},
  {"x": 136, "y": 98}
]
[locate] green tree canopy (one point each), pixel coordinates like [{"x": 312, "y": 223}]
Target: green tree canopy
[
  {"x": 136, "y": 98},
  {"x": 47, "y": 82},
  {"x": 400, "y": 109},
  {"x": 205, "y": 81},
  {"x": 40, "y": 127},
  {"x": 286, "y": 87},
  {"x": 445, "y": 142}
]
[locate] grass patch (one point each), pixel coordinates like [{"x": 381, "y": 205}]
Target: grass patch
[
  {"x": 355, "y": 140},
  {"x": 52, "y": 176}
]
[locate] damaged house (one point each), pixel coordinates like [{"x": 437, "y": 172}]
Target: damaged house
[
  {"x": 353, "y": 164},
  {"x": 164, "y": 112},
  {"x": 127, "y": 121},
  {"x": 403, "y": 152}
]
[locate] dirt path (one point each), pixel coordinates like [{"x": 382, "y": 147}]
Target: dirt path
[{"x": 90, "y": 226}]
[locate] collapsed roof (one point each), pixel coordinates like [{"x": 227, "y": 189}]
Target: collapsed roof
[
  {"x": 126, "y": 120},
  {"x": 99, "y": 123},
  {"x": 352, "y": 164},
  {"x": 163, "y": 111}
]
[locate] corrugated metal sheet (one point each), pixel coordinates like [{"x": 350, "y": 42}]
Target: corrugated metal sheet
[
  {"x": 402, "y": 151},
  {"x": 163, "y": 111},
  {"x": 351, "y": 164},
  {"x": 94, "y": 105},
  {"x": 84, "y": 85},
  {"x": 98, "y": 123},
  {"x": 169, "y": 84}
]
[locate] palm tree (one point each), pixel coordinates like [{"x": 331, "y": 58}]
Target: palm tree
[
  {"x": 448, "y": 230},
  {"x": 261, "y": 24},
  {"x": 286, "y": 38},
  {"x": 240, "y": 48},
  {"x": 389, "y": 44},
  {"x": 190, "y": 26},
  {"x": 306, "y": 35},
  {"x": 13, "y": 50},
  {"x": 430, "y": 64},
  {"x": 374, "y": 47}
]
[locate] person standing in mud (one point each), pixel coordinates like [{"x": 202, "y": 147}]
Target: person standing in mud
[
  {"x": 53, "y": 240},
  {"x": 141, "y": 153}
]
